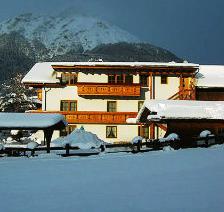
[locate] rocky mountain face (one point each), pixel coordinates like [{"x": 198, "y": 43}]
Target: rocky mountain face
[{"x": 27, "y": 39}]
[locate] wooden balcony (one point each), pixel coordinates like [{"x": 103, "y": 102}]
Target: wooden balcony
[
  {"x": 186, "y": 94},
  {"x": 86, "y": 117},
  {"x": 87, "y": 89}
]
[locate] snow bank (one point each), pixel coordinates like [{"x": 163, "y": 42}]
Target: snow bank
[
  {"x": 184, "y": 180},
  {"x": 32, "y": 145},
  {"x": 48, "y": 156},
  {"x": 80, "y": 138},
  {"x": 167, "y": 149}
]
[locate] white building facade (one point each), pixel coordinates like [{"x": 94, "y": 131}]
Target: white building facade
[{"x": 101, "y": 96}]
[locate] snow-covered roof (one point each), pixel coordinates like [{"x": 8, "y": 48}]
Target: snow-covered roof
[
  {"x": 40, "y": 73},
  {"x": 181, "y": 109},
  {"x": 131, "y": 64},
  {"x": 44, "y": 72},
  {"x": 210, "y": 76},
  {"x": 31, "y": 121}
]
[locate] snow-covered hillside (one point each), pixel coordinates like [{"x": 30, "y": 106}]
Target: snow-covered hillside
[
  {"x": 66, "y": 31},
  {"x": 183, "y": 180}
]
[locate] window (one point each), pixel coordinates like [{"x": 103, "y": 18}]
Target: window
[
  {"x": 67, "y": 130},
  {"x": 39, "y": 94},
  {"x": 164, "y": 79},
  {"x": 140, "y": 103},
  {"x": 68, "y": 105},
  {"x": 111, "y": 132},
  {"x": 111, "y": 79},
  {"x": 143, "y": 131},
  {"x": 129, "y": 79},
  {"x": 143, "y": 80},
  {"x": 120, "y": 79},
  {"x": 65, "y": 79},
  {"x": 68, "y": 78},
  {"x": 111, "y": 106}
]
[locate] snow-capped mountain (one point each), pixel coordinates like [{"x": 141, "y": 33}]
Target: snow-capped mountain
[
  {"x": 66, "y": 32},
  {"x": 69, "y": 36}
]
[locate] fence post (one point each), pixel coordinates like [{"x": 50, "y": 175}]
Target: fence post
[{"x": 67, "y": 149}]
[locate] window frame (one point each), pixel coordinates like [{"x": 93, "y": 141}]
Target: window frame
[
  {"x": 113, "y": 102},
  {"x": 140, "y": 102},
  {"x": 69, "y": 105},
  {"x": 71, "y": 77},
  {"x": 144, "y": 131},
  {"x": 114, "y": 79},
  {"x": 115, "y": 127}
]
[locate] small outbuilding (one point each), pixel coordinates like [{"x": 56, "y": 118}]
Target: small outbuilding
[
  {"x": 186, "y": 118},
  {"x": 29, "y": 121}
]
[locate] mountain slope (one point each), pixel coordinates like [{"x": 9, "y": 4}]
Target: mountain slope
[
  {"x": 61, "y": 34},
  {"x": 27, "y": 39}
]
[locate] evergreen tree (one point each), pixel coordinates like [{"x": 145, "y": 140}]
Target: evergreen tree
[{"x": 15, "y": 97}]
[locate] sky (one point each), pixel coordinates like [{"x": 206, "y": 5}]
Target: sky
[{"x": 192, "y": 29}]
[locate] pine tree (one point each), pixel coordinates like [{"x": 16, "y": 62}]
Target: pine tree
[{"x": 15, "y": 97}]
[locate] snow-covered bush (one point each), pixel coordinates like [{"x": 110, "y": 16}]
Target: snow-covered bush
[
  {"x": 205, "y": 134},
  {"x": 170, "y": 137},
  {"x": 136, "y": 139}
]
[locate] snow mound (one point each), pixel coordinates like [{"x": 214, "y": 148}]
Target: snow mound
[
  {"x": 48, "y": 156},
  {"x": 59, "y": 142},
  {"x": 205, "y": 134},
  {"x": 32, "y": 145},
  {"x": 168, "y": 149},
  {"x": 136, "y": 139},
  {"x": 170, "y": 137},
  {"x": 81, "y": 139}
]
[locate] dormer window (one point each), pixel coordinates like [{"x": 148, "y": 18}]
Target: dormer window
[{"x": 68, "y": 79}]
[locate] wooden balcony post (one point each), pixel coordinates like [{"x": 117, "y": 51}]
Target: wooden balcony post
[
  {"x": 152, "y": 131},
  {"x": 150, "y": 86}
]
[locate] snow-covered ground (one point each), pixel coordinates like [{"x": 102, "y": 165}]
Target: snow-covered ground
[{"x": 183, "y": 180}]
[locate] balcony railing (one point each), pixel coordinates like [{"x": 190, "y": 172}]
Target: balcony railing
[
  {"x": 98, "y": 117},
  {"x": 108, "y": 90}
]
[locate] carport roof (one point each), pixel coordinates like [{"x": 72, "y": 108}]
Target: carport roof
[{"x": 29, "y": 121}]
